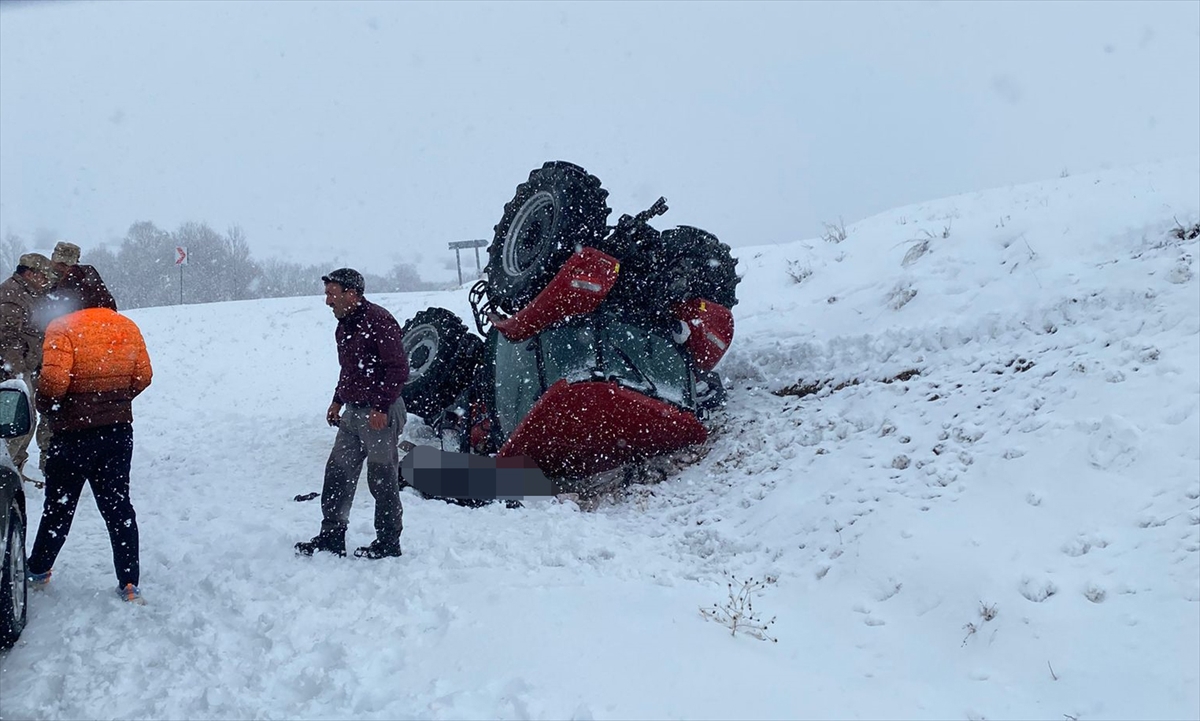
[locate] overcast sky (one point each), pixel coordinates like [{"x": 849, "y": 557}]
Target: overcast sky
[{"x": 374, "y": 133}]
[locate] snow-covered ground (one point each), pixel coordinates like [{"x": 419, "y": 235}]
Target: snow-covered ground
[{"x": 989, "y": 509}]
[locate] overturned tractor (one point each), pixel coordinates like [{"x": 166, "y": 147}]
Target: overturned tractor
[{"x": 596, "y": 343}]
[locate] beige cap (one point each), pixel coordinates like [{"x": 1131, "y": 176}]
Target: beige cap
[
  {"x": 38, "y": 262},
  {"x": 65, "y": 252}
]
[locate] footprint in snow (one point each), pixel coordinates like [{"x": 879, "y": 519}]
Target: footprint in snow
[
  {"x": 1037, "y": 590},
  {"x": 1081, "y": 545},
  {"x": 1114, "y": 443}
]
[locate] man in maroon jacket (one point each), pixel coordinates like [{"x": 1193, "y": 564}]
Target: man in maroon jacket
[{"x": 369, "y": 414}]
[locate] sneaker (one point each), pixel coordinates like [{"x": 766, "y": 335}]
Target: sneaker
[
  {"x": 322, "y": 544},
  {"x": 378, "y": 550},
  {"x": 131, "y": 594},
  {"x": 38, "y": 581}
]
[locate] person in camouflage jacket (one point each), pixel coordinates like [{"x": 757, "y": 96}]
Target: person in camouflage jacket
[{"x": 21, "y": 297}]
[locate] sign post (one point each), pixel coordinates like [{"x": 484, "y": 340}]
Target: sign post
[
  {"x": 181, "y": 259},
  {"x": 458, "y": 245}
]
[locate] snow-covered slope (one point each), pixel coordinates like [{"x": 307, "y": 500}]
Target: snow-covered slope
[{"x": 988, "y": 507}]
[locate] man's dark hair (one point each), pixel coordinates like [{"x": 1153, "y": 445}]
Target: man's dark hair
[{"x": 348, "y": 278}]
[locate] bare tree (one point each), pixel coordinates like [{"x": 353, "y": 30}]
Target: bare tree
[
  {"x": 12, "y": 247},
  {"x": 140, "y": 268},
  {"x": 281, "y": 279},
  {"x": 143, "y": 272},
  {"x": 243, "y": 273}
]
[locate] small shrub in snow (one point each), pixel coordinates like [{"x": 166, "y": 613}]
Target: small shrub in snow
[
  {"x": 986, "y": 612},
  {"x": 919, "y": 248},
  {"x": 1183, "y": 233},
  {"x": 797, "y": 272},
  {"x": 834, "y": 233},
  {"x": 737, "y": 614},
  {"x": 970, "y": 628}
]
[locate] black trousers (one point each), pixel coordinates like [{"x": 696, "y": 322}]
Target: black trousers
[{"x": 101, "y": 458}]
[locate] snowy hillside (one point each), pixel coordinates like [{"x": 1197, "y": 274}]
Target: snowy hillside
[{"x": 961, "y": 452}]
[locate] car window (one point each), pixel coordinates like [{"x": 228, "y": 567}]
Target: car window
[
  {"x": 647, "y": 362},
  {"x": 635, "y": 358},
  {"x": 569, "y": 351},
  {"x": 518, "y": 385}
]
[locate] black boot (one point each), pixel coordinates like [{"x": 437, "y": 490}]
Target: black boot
[
  {"x": 334, "y": 543},
  {"x": 379, "y": 550}
]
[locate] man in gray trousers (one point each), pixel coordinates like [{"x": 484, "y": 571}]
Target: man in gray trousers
[{"x": 369, "y": 414}]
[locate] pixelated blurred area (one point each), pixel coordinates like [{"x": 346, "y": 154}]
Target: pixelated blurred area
[{"x": 463, "y": 476}]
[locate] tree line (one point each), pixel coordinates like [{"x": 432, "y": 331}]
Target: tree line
[{"x": 140, "y": 270}]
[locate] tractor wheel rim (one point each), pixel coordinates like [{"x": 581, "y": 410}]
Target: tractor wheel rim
[
  {"x": 421, "y": 343},
  {"x": 528, "y": 233}
]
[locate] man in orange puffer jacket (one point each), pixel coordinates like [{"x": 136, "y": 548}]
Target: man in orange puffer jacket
[{"x": 94, "y": 364}]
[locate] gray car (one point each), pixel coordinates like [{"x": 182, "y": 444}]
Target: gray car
[{"x": 14, "y": 422}]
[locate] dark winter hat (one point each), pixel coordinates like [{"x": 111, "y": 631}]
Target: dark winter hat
[
  {"x": 348, "y": 278},
  {"x": 66, "y": 253}
]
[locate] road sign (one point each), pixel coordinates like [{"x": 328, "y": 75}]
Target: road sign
[
  {"x": 458, "y": 244},
  {"x": 461, "y": 244},
  {"x": 181, "y": 255}
]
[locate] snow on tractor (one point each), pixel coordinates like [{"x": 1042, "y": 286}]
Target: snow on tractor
[{"x": 596, "y": 345}]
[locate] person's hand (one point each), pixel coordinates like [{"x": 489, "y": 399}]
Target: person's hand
[
  {"x": 333, "y": 416},
  {"x": 377, "y": 420}
]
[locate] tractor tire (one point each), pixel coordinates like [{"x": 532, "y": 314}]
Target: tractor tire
[
  {"x": 668, "y": 268},
  {"x": 467, "y": 358},
  {"x": 560, "y": 207},
  {"x": 694, "y": 264},
  {"x": 431, "y": 339},
  {"x": 630, "y": 294}
]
